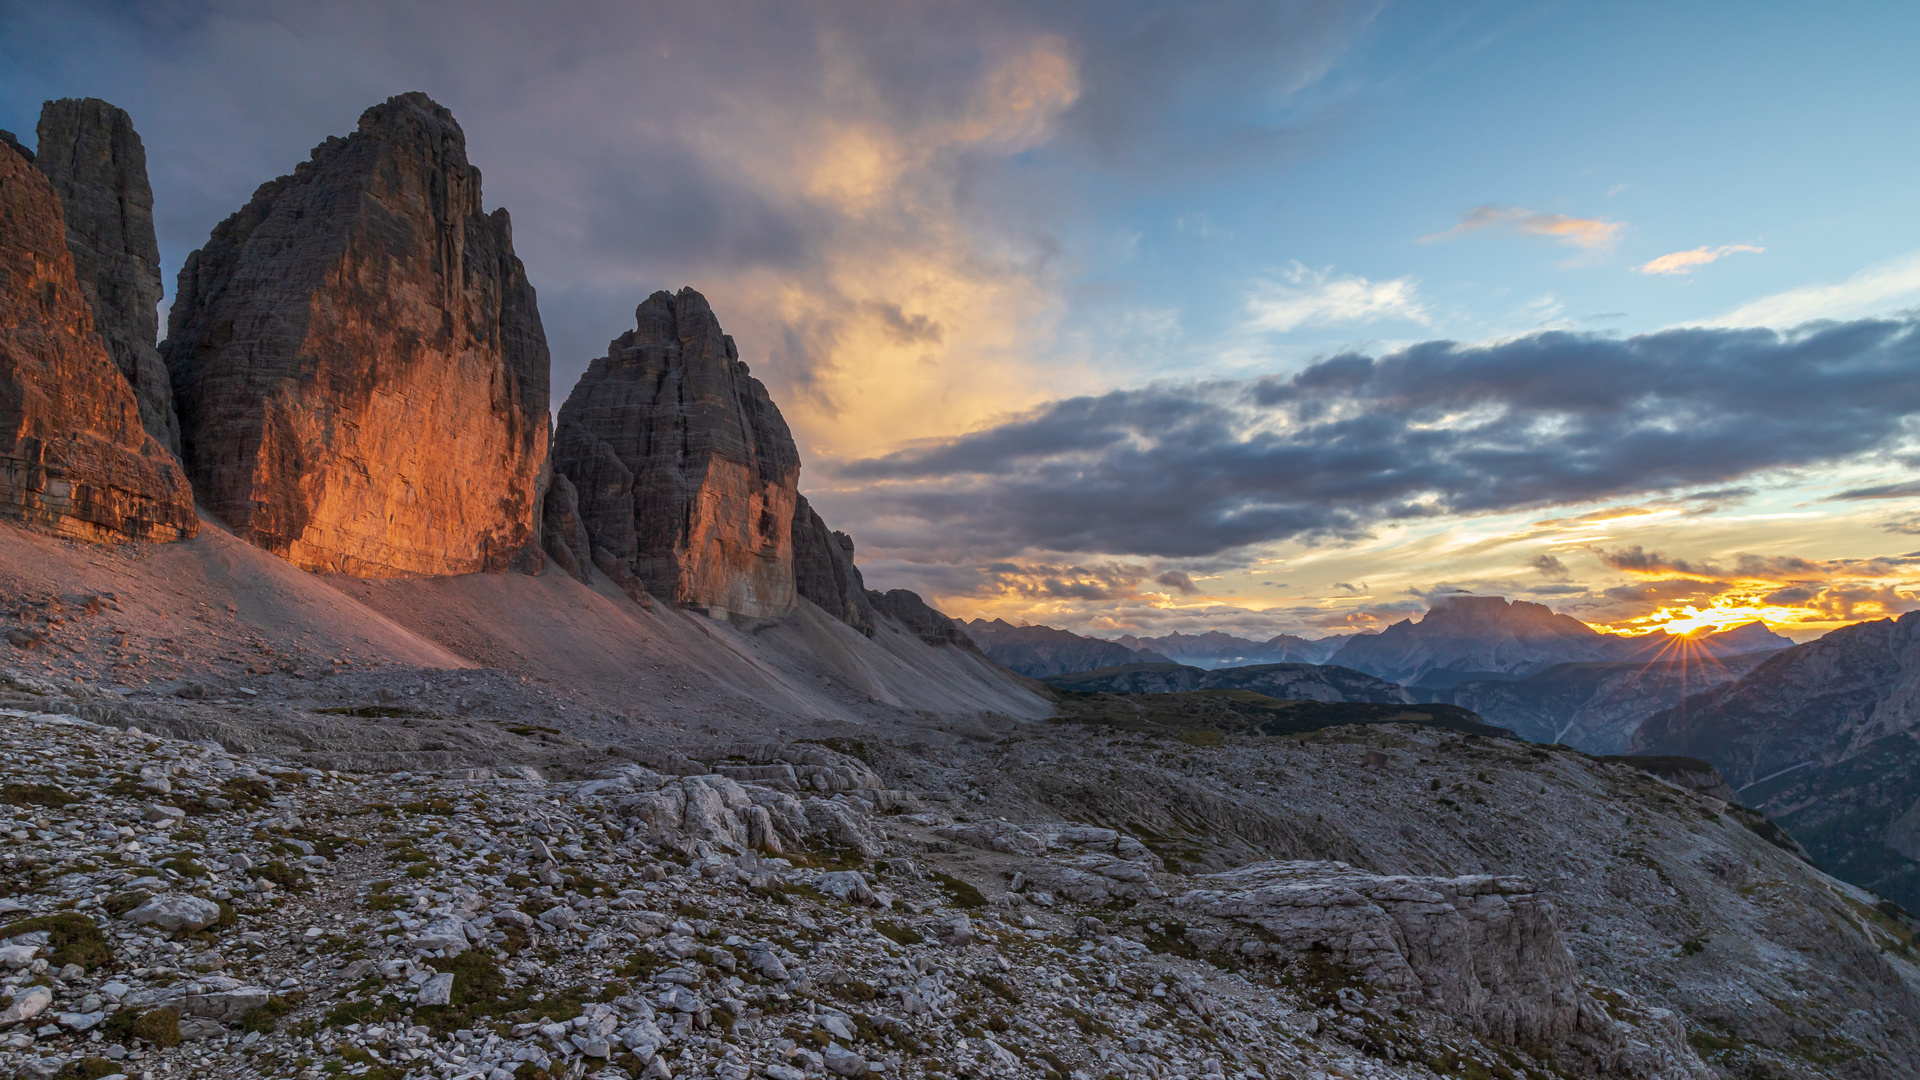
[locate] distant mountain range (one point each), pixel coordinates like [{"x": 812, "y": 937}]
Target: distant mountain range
[
  {"x": 1042, "y": 651},
  {"x": 1472, "y": 638},
  {"x": 1825, "y": 739},
  {"x": 1294, "y": 682},
  {"x": 1214, "y": 649},
  {"x": 1461, "y": 639}
]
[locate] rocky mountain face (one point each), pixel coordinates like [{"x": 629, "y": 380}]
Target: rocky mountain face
[
  {"x": 907, "y": 608},
  {"x": 824, "y": 572},
  {"x": 1214, "y": 649},
  {"x": 687, "y": 476},
  {"x": 1040, "y": 651},
  {"x": 74, "y": 456},
  {"x": 97, "y": 164},
  {"x": 1462, "y": 638},
  {"x": 1825, "y": 738},
  {"x": 1297, "y": 682},
  {"x": 1595, "y": 707},
  {"x": 358, "y": 362},
  {"x": 1474, "y": 634}
]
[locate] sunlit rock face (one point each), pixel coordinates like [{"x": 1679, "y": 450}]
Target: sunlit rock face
[
  {"x": 686, "y": 472},
  {"x": 98, "y": 166},
  {"x": 74, "y": 457},
  {"x": 358, "y": 361}
]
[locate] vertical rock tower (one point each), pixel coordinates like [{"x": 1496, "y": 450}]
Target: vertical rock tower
[
  {"x": 686, "y": 473},
  {"x": 94, "y": 158},
  {"x": 358, "y": 362},
  {"x": 73, "y": 454}
]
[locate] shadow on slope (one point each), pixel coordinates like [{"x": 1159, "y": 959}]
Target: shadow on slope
[{"x": 1206, "y": 716}]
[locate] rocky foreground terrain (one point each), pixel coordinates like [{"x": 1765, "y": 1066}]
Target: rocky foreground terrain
[{"x": 1002, "y": 899}]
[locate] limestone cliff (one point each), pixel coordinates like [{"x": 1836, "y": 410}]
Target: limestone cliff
[
  {"x": 686, "y": 473},
  {"x": 73, "y": 454},
  {"x": 98, "y": 166},
  {"x": 906, "y": 607},
  {"x": 823, "y": 569},
  {"x": 358, "y": 361}
]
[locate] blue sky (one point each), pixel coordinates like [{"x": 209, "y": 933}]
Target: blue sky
[
  {"x": 1688, "y": 126},
  {"x": 929, "y": 222}
]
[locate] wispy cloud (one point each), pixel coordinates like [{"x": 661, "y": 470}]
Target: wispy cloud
[
  {"x": 1594, "y": 234},
  {"x": 1872, "y": 291},
  {"x": 1683, "y": 262},
  {"x": 1319, "y": 298}
]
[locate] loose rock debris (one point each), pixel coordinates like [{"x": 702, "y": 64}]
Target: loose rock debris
[{"x": 178, "y": 910}]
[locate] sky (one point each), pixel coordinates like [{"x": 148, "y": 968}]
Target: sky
[{"x": 1133, "y": 318}]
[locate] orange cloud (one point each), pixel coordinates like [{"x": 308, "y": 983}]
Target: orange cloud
[
  {"x": 907, "y": 322},
  {"x": 1683, "y": 262},
  {"x": 1594, "y": 234},
  {"x": 1785, "y": 591}
]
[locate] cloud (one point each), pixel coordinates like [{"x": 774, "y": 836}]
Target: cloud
[
  {"x": 1318, "y": 298},
  {"x": 1551, "y": 567},
  {"x": 1683, "y": 262},
  {"x": 1177, "y": 580},
  {"x": 880, "y": 199},
  {"x": 1783, "y": 590},
  {"x": 1352, "y": 442},
  {"x": 1908, "y": 489},
  {"x": 1750, "y": 567},
  {"x": 1593, "y": 234},
  {"x": 1872, "y": 291}
]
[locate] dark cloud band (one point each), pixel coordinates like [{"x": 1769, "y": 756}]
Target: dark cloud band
[{"x": 1439, "y": 428}]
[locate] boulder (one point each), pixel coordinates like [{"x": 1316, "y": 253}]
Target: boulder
[
  {"x": 176, "y": 913},
  {"x": 358, "y": 362},
  {"x": 74, "y": 456},
  {"x": 844, "y": 1062},
  {"x": 30, "y": 1003},
  {"x": 444, "y": 933},
  {"x": 845, "y": 885},
  {"x": 1486, "y": 950},
  {"x": 687, "y": 476},
  {"x": 747, "y": 817},
  {"x": 766, "y": 963},
  {"x": 223, "y": 1000},
  {"x": 436, "y": 991},
  {"x": 95, "y": 159},
  {"x": 955, "y": 931}
]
